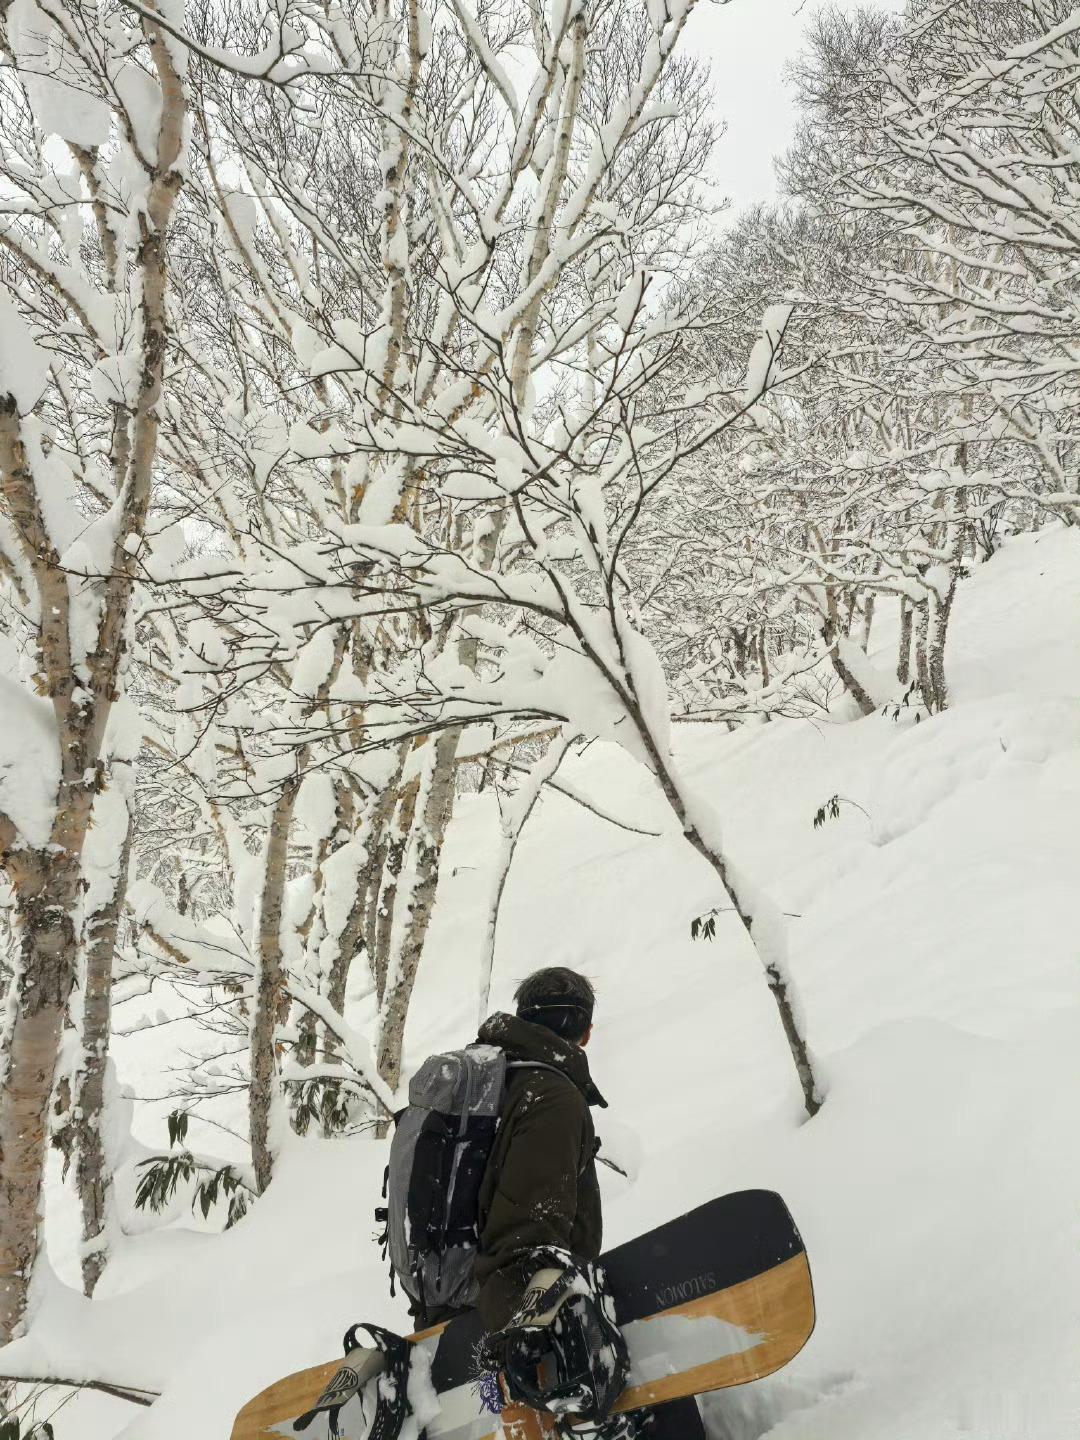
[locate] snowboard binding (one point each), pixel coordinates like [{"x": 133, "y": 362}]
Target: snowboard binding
[
  {"x": 363, "y": 1369},
  {"x": 562, "y": 1352}
]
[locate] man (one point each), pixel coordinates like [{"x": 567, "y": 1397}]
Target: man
[
  {"x": 540, "y": 1209},
  {"x": 540, "y": 1189}
]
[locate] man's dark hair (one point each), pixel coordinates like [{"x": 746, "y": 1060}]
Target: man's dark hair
[{"x": 560, "y": 999}]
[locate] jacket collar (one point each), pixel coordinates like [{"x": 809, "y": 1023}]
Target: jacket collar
[{"x": 522, "y": 1040}]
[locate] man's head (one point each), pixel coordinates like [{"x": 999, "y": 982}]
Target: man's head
[{"x": 560, "y": 999}]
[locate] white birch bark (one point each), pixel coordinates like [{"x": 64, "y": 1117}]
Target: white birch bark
[
  {"x": 93, "y": 1168},
  {"x": 434, "y": 808},
  {"x": 46, "y": 878},
  {"x": 270, "y": 1004}
]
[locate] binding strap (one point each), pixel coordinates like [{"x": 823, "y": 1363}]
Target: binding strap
[{"x": 388, "y": 1355}]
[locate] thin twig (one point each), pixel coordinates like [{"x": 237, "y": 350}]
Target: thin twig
[
  {"x": 134, "y": 1394},
  {"x": 603, "y": 1160},
  {"x": 562, "y": 789}
]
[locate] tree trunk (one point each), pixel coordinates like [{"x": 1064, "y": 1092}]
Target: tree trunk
[
  {"x": 307, "y": 1039},
  {"x": 763, "y": 664},
  {"x": 384, "y": 894},
  {"x": 738, "y": 643},
  {"x": 46, "y": 891},
  {"x": 270, "y": 1002},
  {"x": 831, "y": 635},
  {"x": 850, "y": 683},
  {"x": 436, "y": 805},
  {"x": 47, "y": 879},
  {"x": 373, "y": 833},
  {"x": 939, "y": 630},
  {"x": 922, "y": 663},
  {"x": 93, "y": 1173},
  {"x": 903, "y": 659},
  {"x": 774, "y": 964},
  {"x": 709, "y": 846},
  {"x": 352, "y": 937},
  {"x": 868, "y": 617},
  {"x": 935, "y": 656}
]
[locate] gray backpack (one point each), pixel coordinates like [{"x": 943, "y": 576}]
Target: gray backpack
[{"x": 440, "y": 1150}]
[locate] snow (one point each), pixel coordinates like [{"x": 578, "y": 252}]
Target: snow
[
  {"x": 670, "y": 1343},
  {"x": 140, "y": 95},
  {"x": 115, "y": 380},
  {"x": 29, "y": 755},
  {"x": 24, "y": 366},
  {"x": 103, "y": 848},
  {"x": 932, "y": 944},
  {"x": 759, "y": 369},
  {"x": 63, "y": 103}
]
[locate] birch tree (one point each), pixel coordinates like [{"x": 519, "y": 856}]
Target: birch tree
[{"x": 85, "y": 316}]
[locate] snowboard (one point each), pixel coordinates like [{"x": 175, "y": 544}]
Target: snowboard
[{"x": 718, "y": 1297}]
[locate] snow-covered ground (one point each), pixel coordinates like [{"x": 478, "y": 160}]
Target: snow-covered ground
[{"x": 933, "y": 939}]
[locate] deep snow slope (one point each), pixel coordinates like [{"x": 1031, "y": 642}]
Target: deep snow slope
[{"x": 932, "y": 934}]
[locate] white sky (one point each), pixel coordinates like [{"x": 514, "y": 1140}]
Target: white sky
[{"x": 747, "y": 44}]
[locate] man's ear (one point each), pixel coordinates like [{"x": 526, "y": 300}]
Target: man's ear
[{"x": 585, "y": 1038}]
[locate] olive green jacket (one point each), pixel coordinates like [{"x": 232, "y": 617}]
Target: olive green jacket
[{"x": 540, "y": 1186}]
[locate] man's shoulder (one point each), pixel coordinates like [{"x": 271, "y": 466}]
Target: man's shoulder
[{"x": 543, "y": 1083}]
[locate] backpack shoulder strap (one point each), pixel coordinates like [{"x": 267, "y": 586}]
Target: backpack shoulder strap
[
  {"x": 538, "y": 1065},
  {"x": 592, "y": 1153}
]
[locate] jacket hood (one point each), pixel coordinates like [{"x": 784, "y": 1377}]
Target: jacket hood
[{"x": 522, "y": 1040}]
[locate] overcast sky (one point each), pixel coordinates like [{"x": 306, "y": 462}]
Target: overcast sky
[{"x": 747, "y": 43}]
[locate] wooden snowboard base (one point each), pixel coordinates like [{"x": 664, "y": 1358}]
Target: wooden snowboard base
[{"x": 774, "y": 1310}]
